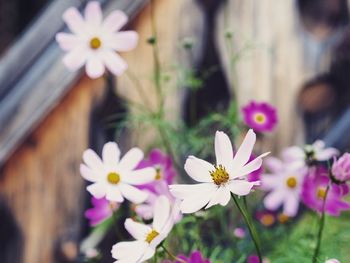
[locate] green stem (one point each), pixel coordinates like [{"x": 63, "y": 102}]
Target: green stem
[
  {"x": 132, "y": 77},
  {"x": 320, "y": 230},
  {"x": 171, "y": 255},
  {"x": 250, "y": 225}
]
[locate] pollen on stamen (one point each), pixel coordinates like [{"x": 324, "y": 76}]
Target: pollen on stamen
[
  {"x": 220, "y": 175},
  {"x": 291, "y": 182},
  {"x": 95, "y": 43},
  {"x": 259, "y": 118},
  {"x": 151, "y": 235},
  {"x": 321, "y": 193},
  {"x": 113, "y": 178},
  {"x": 158, "y": 174}
]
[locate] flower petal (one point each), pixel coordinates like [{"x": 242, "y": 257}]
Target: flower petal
[
  {"x": 274, "y": 199},
  {"x": 221, "y": 196},
  {"x": 114, "y": 195},
  {"x": 92, "y": 160},
  {"x": 223, "y": 149},
  {"x": 97, "y": 190},
  {"x": 293, "y": 153},
  {"x": 115, "y": 21},
  {"x": 75, "y": 59},
  {"x": 137, "y": 230},
  {"x": 241, "y": 187},
  {"x": 199, "y": 169},
  {"x": 129, "y": 251},
  {"x": 94, "y": 67},
  {"x": 114, "y": 62},
  {"x": 110, "y": 154},
  {"x": 131, "y": 159},
  {"x": 326, "y": 154},
  {"x": 74, "y": 20},
  {"x": 161, "y": 213},
  {"x": 149, "y": 252},
  {"x": 245, "y": 150},
  {"x": 273, "y": 164},
  {"x": 291, "y": 205},
  {"x": 269, "y": 181},
  {"x": 248, "y": 168},
  {"x": 141, "y": 176},
  {"x": 133, "y": 194},
  {"x": 93, "y": 13},
  {"x": 123, "y": 41},
  {"x": 68, "y": 41},
  {"x": 88, "y": 174}
]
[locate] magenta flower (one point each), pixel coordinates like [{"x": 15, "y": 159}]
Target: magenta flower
[
  {"x": 195, "y": 257},
  {"x": 314, "y": 193},
  {"x": 262, "y": 117},
  {"x": 101, "y": 210},
  {"x": 255, "y": 175},
  {"x": 341, "y": 168}
]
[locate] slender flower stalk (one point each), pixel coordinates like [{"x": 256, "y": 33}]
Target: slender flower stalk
[
  {"x": 171, "y": 255},
  {"x": 320, "y": 230},
  {"x": 253, "y": 233}
]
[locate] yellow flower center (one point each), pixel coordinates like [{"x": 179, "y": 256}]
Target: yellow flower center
[
  {"x": 259, "y": 118},
  {"x": 267, "y": 220},
  {"x": 113, "y": 178},
  {"x": 158, "y": 174},
  {"x": 321, "y": 193},
  {"x": 291, "y": 182},
  {"x": 152, "y": 235},
  {"x": 95, "y": 43},
  {"x": 220, "y": 175},
  {"x": 283, "y": 218}
]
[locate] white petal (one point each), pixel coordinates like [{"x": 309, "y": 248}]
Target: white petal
[
  {"x": 129, "y": 250},
  {"x": 94, "y": 67},
  {"x": 68, "y": 41},
  {"x": 193, "y": 204},
  {"x": 140, "y": 176},
  {"x": 93, "y": 161},
  {"x": 114, "y": 62},
  {"x": 74, "y": 20},
  {"x": 75, "y": 59},
  {"x": 88, "y": 174},
  {"x": 326, "y": 154},
  {"x": 161, "y": 213},
  {"x": 137, "y": 230},
  {"x": 223, "y": 149},
  {"x": 241, "y": 187},
  {"x": 113, "y": 194},
  {"x": 131, "y": 159},
  {"x": 270, "y": 181},
  {"x": 273, "y": 164},
  {"x": 97, "y": 190},
  {"x": 93, "y": 13},
  {"x": 293, "y": 153},
  {"x": 110, "y": 154},
  {"x": 245, "y": 150},
  {"x": 123, "y": 41},
  {"x": 150, "y": 251},
  {"x": 248, "y": 168},
  {"x": 221, "y": 196},
  {"x": 274, "y": 199},
  {"x": 182, "y": 191},
  {"x": 133, "y": 194},
  {"x": 199, "y": 169},
  {"x": 115, "y": 21},
  {"x": 291, "y": 205}
]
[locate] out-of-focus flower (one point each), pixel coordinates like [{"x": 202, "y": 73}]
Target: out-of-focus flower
[
  {"x": 239, "y": 232},
  {"x": 94, "y": 42},
  {"x": 147, "y": 237},
  {"x": 341, "y": 168},
  {"x": 165, "y": 171},
  {"x": 315, "y": 189},
  {"x": 217, "y": 182},
  {"x": 266, "y": 218},
  {"x": 92, "y": 253},
  {"x": 332, "y": 260},
  {"x": 261, "y": 117},
  {"x": 101, "y": 210},
  {"x": 255, "y": 259},
  {"x": 310, "y": 154},
  {"x": 113, "y": 177},
  {"x": 195, "y": 257},
  {"x": 284, "y": 183}
]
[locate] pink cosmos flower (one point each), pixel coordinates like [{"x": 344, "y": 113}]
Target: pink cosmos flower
[
  {"x": 261, "y": 117},
  {"x": 341, "y": 168},
  {"x": 101, "y": 210},
  {"x": 284, "y": 183},
  {"x": 195, "y": 257},
  {"x": 314, "y": 192},
  {"x": 94, "y": 41}
]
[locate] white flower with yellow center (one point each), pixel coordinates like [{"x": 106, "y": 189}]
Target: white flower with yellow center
[
  {"x": 147, "y": 237},
  {"x": 113, "y": 177},
  {"x": 284, "y": 183},
  {"x": 217, "y": 182},
  {"x": 94, "y": 41}
]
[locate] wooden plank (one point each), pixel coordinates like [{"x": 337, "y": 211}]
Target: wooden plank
[{"x": 41, "y": 86}]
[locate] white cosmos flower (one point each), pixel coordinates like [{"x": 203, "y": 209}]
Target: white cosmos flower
[
  {"x": 310, "y": 153},
  {"x": 284, "y": 183},
  {"x": 94, "y": 42},
  {"x": 113, "y": 177},
  {"x": 217, "y": 182},
  {"x": 148, "y": 237}
]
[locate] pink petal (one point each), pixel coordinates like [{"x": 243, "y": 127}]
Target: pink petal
[
  {"x": 199, "y": 169},
  {"x": 223, "y": 149},
  {"x": 291, "y": 205},
  {"x": 115, "y": 21},
  {"x": 274, "y": 199},
  {"x": 114, "y": 62},
  {"x": 123, "y": 41},
  {"x": 74, "y": 20},
  {"x": 94, "y": 67},
  {"x": 93, "y": 13}
]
